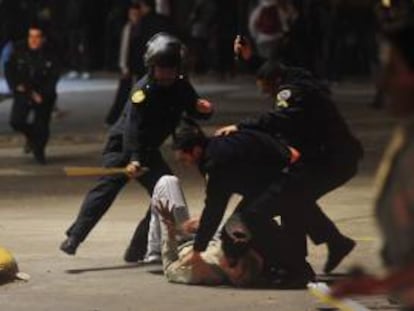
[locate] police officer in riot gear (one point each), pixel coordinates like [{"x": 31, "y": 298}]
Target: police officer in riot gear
[
  {"x": 32, "y": 74},
  {"x": 306, "y": 118},
  {"x": 152, "y": 113}
]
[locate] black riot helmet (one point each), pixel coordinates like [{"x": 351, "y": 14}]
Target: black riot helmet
[{"x": 164, "y": 50}]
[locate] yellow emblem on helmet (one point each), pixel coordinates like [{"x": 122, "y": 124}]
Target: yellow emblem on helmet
[
  {"x": 282, "y": 104},
  {"x": 138, "y": 97},
  {"x": 282, "y": 98}
]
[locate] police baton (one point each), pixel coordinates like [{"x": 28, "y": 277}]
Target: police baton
[{"x": 83, "y": 171}]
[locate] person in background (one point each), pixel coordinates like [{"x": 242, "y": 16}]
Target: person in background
[
  {"x": 32, "y": 73},
  {"x": 127, "y": 63},
  {"x": 394, "y": 204}
]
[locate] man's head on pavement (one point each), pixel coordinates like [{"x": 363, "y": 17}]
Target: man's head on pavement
[
  {"x": 240, "y": 262},
  {"x": 35, "y": 37},
  {"x": 269, "y": 77},
  {"x": 397, "y": 58},
  {"x": 164, "y": 58},
  {"x": 189, "y": 143}
]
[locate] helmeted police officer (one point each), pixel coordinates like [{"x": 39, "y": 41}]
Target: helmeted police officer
[
  {"x": 32, "y": 74},
  {"x": 152, "y": 113},
  {"x": 306, "y": 118}
]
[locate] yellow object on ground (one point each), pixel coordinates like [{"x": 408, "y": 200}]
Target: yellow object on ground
[
  {"x": 9, "y": 270},
  {"x": 322, "y": 292}
]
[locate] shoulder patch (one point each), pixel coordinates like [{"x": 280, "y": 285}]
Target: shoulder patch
[
  {"x": 138, "y": 97},
  {"x": 282, "y": 98},
  {"x": 284, "y": 95}
]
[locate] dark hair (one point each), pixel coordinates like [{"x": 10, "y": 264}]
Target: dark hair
[
  {"x": 270, "y": 70},
  {"x": 37, "y": 26},
  {"x": 188, "y": 135},
  {"x": 236, "y": 238}
]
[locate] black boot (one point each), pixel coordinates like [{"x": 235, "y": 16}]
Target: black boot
[
  {"x": 70, "y": 245},
  {"x": 39, "y": 156},
  {"x": 338, "y": 249},
  {"x": 294, "y": 277},
  {"x": 138, "y": 247}
]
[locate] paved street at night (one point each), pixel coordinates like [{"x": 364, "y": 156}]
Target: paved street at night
[{"x": 38, "y": 203}]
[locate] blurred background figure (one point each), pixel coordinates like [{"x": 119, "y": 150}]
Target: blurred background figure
[
  {"x": 32, "y": 73},
  {"x": 269, "y": 22},
  {"x": 128, "y": 63},
  {"x": 163, "y": 7},
  {"x": 395, "y": 200},
  {"x": 202, "y": 25},
  {"x": 150, "y": 24},
  {"x": 76, "y": 24}
]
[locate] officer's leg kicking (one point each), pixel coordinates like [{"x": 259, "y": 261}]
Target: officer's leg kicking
[
  {"x": 101, "y": 197},
  {"x": 96, "y": 203}
]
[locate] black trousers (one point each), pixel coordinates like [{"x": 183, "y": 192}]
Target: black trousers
[
  {"x": 294, "y": 197},
  {"x": 100, "y": 198},
  {"x": 121, "y": 97},
  {"x": 318, "y": 180},
  {"x": 258, "y": 213},
  {"x": 37, "y": 131}
]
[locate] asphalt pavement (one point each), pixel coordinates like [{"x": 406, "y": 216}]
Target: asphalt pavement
[{"x": 38, "y": 203}]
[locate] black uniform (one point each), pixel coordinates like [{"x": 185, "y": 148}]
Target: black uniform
[
  {"x": 36, "y": 71},
  {"x": 305, "y": 117},
  {"x": 246, "y": 162},
  {"x": 137, "y": 135}
]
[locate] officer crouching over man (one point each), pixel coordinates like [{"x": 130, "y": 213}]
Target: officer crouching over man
[
  {"x": 152, "y": 113},
  {"x": 248, "y": 250},
  {"x": 247, "y": 162}
]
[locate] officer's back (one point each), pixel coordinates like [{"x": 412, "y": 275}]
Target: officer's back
[{"x": 244, "y": 161}]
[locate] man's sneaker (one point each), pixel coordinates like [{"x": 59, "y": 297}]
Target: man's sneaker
[
  {"x": 70, "y": 245},
  {"x": 153, "y": 259},
  {"x": 337, "y": 251}
]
